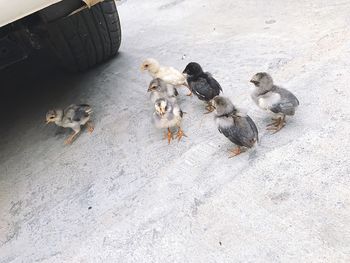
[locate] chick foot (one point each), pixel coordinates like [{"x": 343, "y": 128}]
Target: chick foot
[
  {"x": 180, "y": 134},
  {"x": 275, "y": 122},
  {"x": 71, "y": 138},
  {"x": 277, "y": 125},
  {"x": 90, "y": 126},
  {"x": 234, "y": 152}
]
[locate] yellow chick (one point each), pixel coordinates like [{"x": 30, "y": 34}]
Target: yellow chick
[{"x": 167, "y": 74}]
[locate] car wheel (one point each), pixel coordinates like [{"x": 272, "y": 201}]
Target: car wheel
[{"x": 87, "y": 37}]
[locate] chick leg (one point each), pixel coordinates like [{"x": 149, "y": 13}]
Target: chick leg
[
  {"x": 234, "y": 152},
  {"x": 90, "y": 126},
  {"x": 168, "y": 135},
  {"x": 280, "y": 123},
  {"x": 70, "y": 139},
  {"x": 180, "y": 133}
]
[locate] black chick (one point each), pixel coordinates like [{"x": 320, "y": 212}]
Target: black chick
[{"x": 202, "y": 84}]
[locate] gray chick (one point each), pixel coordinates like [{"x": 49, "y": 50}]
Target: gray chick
[
  {"x": 74, "y": 116},
  {"x": 168, "y": 115},
  {"x": 236, "y": 126},
  {"x": 160, "y": 89},
  {"x": 274, "y": 99}
]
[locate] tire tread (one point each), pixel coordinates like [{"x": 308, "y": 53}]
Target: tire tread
[{"x": 87, "y": 38}]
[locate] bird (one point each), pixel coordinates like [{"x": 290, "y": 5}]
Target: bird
[
  {"x": 168, "y": 74},
  {"x": 238, "y": 127},
  {"x": 274, "y": 99},
  {"x": 160, "y": 89},
  {"x": 168, "y": 115},
  {"x": 74, "y": 116},
  {"x": 202, "y": 84}
]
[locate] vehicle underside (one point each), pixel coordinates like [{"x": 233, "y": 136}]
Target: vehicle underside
[{"x": 80, "y": 36}]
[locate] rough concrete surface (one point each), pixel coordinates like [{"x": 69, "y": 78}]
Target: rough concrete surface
[{"x": 123, "y": 195}]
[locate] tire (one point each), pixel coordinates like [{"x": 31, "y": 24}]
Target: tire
[{"x": 87, "y": 38}]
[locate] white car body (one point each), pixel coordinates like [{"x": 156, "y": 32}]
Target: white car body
[{"x": 12, "y": 10}]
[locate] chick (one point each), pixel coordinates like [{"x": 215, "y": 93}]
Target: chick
[
  {"x": 236, "y": 126},
  {"x": 168, "y": 115},
  {"x": 167, "y": 74},
  {"x": 74, "y": 116},
  {"x": 274, "y": 99},
  {"x": 202, "y": 84},
  {"x": 160, "y": 89}
]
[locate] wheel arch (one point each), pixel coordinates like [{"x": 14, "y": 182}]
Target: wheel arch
[{"x": 65, "y": 8}]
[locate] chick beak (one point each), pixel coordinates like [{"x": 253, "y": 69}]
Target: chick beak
[
  {"x": 150, "y": 88},
  {"x": 212, "y": 103},
  {"x": 49, "y": 120},
  {"x": 142, "y": 68},
  {"x": 256, "y": 83}
]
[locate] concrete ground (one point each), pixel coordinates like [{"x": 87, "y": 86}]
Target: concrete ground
[{"x": 123, "y": 195}]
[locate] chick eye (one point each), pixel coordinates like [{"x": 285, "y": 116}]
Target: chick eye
[{"x": 146, "y": 66}]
